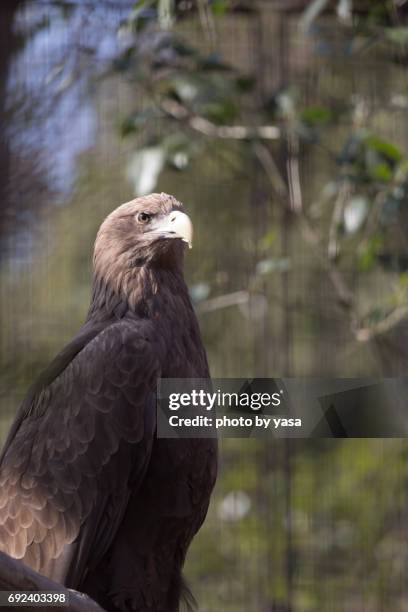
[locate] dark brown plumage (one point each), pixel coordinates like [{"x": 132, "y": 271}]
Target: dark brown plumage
[{"x": 88, "y": 495}]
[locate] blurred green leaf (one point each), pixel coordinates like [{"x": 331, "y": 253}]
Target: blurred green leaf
[
  {"x": 381, "y": 172},
  {"x": 369, "y": 251},
  {"x": 316, "y": 115},
  {"x": 179, "y": 159},
  {"x": 200, "y": 292},
  {"x": 376, "y": 314},
  {"x": 370, "y": 158},
  {"x": 355, "y": 213},
  {"x": 144, "y": 169},
  {"x": 401, "y": 173},
  {"x": 139, "y": 4},
  {"x": 268, "y": 239},
  {"x": 179, "y": 150},
  {"x": 351, "y": 149},
  {"x": 142, "y": 15},
  {"x": 286, "y": 103},
  {"x": 312, "y": 12},
  {"x": 344, "y": 9},
  {"x": 186, "y": 86},
  {"x": 245, "y": 83},
  {"x": 182, "y": 48},
  {"x": 165, "y": 13},
  {"x": 398, "y": 35},
  {"x": 213, "y": 62},
  {"x": 221, "y": 111},
  {"x": 385, "y": 148},
  {"x": 219, "y": 7},
  {"x": 392, "y": 261},
  {"x": 123, "y": 61},
  {"x": 403, "y": 280},
  {"x": 267, "y": 266},
  {"x": 390, "y": 210},
  {"x": 134, "y": 122}
]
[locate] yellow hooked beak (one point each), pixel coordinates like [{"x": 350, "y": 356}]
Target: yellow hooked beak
[{"x": 175, "y": 225}]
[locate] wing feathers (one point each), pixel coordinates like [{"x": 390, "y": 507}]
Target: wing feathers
[{"x": 75, "y": 452}]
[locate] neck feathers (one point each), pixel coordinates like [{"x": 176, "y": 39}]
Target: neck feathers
[
  {"x": 145, "y": 291},
  {"x": 161, "y": 296}
]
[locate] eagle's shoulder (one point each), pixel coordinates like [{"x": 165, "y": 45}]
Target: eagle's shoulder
[
  {"x": 93, "y": 419},
  {"x": 90, "y": 354}
]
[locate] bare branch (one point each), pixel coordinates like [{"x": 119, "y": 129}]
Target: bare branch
[
  {"x": 15, "y": 576},
  {"x": 364, "y": 334},
  {"x": 344, "y": 294},
  {"x": 292, "y": 165},
  {"x": 207, "y": 128},
  {"x": 207, "y": 21},
  {"x": 271, "y": 170},
  {"x": 224, "y": 301},
  {"x": 333, "y": 246}
]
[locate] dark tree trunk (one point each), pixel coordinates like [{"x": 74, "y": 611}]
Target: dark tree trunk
[{"x": 8, "y": 45}]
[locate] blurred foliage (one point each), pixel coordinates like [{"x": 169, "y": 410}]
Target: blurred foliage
[
  {"x": 348, "y": 544},
  {"x": 193, "y": 98},
  {"x": 285, "y": 136}
]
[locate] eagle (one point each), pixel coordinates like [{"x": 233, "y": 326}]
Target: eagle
[{"x": 89, "y": 495}]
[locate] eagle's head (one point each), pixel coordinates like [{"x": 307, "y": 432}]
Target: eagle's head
[
  {"x": 139, "y": 239},
  {"x": 150, "y": 230}
]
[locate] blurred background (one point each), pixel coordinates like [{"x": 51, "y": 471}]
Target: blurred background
[{"x": 282, "y": 126}]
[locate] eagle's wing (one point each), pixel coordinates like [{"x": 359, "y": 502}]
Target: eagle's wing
[{"x": 77, "y": 451}]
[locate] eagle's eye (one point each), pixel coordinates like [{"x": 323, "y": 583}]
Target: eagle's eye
[{"x": 143, "y": 217}]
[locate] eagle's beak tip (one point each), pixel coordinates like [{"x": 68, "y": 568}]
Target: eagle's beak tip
[
  {"x": 175, "y": 225},
  {"x": 182, "y": 227}
]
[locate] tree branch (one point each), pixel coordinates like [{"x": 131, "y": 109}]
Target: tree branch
[
  {"x": 397, "y": 316},
  {"x": 15, "y": 576},
  {"x": 208, "y": 128},
  {"x": 344, "y": 294},
  {"x": 333, "y": 246}
]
